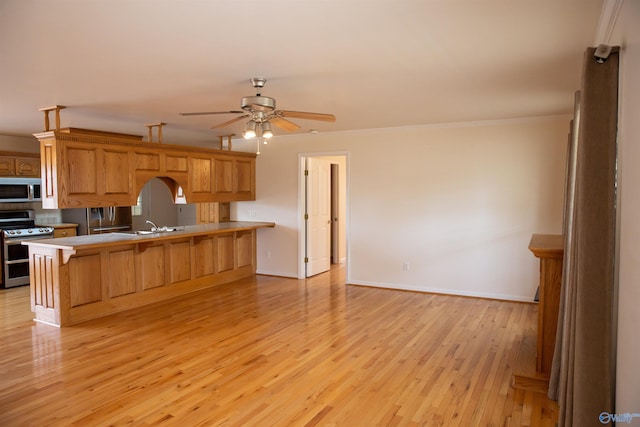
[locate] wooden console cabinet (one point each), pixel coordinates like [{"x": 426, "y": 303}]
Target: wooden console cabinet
[
  {"x": 83, "y": 168},
  {"x": 535, "y": 355},
  {"x": 549, "y": 248}
]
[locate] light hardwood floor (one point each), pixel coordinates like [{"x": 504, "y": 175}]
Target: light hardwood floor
[{"x": 270, "y": 351}]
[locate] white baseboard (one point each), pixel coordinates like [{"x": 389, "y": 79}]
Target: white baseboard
[
  {"x": 277, "y": 273},
  {"x": 455, "y": 292}
]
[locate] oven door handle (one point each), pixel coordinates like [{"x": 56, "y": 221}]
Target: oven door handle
[
  {"x": 19, "y": 240},
  {"x": 17, "y": 261}
]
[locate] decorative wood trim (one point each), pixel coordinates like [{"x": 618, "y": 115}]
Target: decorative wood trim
[
  {"x": 19, "y": 154},
  {"x": 67, "y": 254},
  {"x": 154, "y": 125},
  {"x": 46, "y": 110}
]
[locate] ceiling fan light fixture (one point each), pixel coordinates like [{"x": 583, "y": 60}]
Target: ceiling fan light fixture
[
  {"x": 266, "y": 130},
  {"x": 250, "y": 130}
]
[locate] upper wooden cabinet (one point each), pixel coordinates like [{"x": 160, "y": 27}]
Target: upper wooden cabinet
[
  {"x": 19, "y": 164},
  {"x": 90, "y": 169}
]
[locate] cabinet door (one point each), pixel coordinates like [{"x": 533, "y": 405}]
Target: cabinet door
[
  {"x": 200, "y": 176},
  {"x": 235, "y": 179},
  {"x": 244, "y": 248},
  {"x": 203, "y": 210},
  {"x": 244, "y": 179},
  {"x": 224, "y": 176},
  {"x": 224, "y": 212},
  {"x": 80, "y": 171},
  {"x": 27, "y": 166},
  {"x": 7, "y": 166},
  {"x": 212, "y": 212},
  {"x": 94, "y": 176},
  {"x": 115, "y": 173}
]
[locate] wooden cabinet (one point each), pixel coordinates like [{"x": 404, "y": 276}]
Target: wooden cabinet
[
  {"x": 27, "y": 166},
  {"x": 96, "y": 175},
  {"x": 224, "y": 211},
  {"x": 549, "y": 248},
  {"x": 88, "y": 277},
  {"x": 212, "y": 212},
  {"x": 532, "y": 367},
  {"x": 91, "y": 169},
  {"x": 223, "y": 179},
  {"x": 64, "y": 230},
  {"x": 19, "y": 164}
]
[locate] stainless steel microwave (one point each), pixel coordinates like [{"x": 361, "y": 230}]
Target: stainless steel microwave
[{"x": 19, "y": 190}]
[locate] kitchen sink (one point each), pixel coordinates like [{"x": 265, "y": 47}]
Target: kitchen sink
[{"x": 159, "y": 230}]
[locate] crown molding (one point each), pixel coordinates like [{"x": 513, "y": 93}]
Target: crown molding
[{"x": 608, "y": 16}]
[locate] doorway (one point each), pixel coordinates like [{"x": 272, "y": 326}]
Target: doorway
[{"x": 323, "y": 207}]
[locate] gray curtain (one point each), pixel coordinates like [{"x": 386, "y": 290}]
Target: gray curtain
[{"x": 583, "y": 371}]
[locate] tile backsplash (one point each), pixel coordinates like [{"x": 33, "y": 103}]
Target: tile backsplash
[{"x": 43, "y": 216}]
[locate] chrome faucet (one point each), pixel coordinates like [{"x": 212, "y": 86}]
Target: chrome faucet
[{"x": 154, "y": 227}]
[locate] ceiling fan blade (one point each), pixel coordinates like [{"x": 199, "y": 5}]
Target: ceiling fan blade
[
  {"x": 308, "y": 116},
  {"x": 284, "y": 123},
  {"x": 229, "y": 122},
  {"x": 211, "y": 112}
]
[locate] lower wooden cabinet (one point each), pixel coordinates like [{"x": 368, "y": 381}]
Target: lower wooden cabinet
[
  {"x": 64, "y": 230},
  {"x": 71, "y": 287}
]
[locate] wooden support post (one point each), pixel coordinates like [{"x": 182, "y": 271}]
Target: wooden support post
[
  {"x": 46, "y": 110},
  {"x": 159, "y": 126},
  {"x": 221, "y": 137}
]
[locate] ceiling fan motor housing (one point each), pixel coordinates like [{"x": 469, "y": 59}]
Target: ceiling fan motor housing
[{"x": 258, "y": 103}]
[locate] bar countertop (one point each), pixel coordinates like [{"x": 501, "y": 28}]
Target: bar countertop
[{"x": 114, "y": 239}]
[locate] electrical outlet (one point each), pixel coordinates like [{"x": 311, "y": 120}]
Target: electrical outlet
[
  {"x": 268, "y": 254},
  {"x": 406, "y": 266}
]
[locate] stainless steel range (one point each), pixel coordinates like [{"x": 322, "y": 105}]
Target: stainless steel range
[{"x": 18, "y": 226}]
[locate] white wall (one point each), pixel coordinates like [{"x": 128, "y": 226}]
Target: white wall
[
  {"x": 457, "y": 202},
  {"x": 627, "y": 35}
]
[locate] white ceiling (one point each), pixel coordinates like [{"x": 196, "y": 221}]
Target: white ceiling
[{"x": 118, "y": 65}]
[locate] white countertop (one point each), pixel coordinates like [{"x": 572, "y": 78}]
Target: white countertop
[{"x": 112, "y": 239}]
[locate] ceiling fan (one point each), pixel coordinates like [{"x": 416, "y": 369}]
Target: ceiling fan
[{"x": 261, "y": 112}]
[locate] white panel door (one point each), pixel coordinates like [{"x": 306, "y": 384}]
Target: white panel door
[{"x": 319, "y": 216}]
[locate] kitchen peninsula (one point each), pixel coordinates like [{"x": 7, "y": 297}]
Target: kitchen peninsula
[{"x": 74, "y": 279}]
